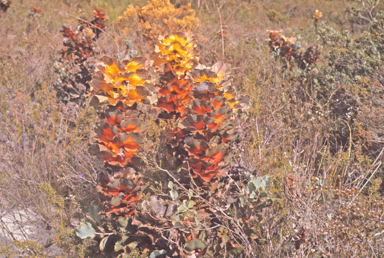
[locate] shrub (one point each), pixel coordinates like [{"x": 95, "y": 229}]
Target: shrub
[
  {"x": 334, "y": 85},
  {"x": 35, "y": 12},
  {"x": 4, "y": 5},
  {"x": 288, "y": 49},
  {"x": 205, "y": 106},
  {"x": 275, "y": 16},
  {"x": 351, "y": 63},
  {"x": 75, "y": 67}
]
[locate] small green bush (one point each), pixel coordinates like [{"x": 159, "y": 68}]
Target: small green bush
[{"x": 275, "y": 16}]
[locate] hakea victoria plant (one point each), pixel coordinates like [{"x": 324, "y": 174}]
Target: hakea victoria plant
[
  {"x": 288, "y": 49},
  {"x": 173, "y": 57},
  {"x": 120, "y": 87},
  {"x": 197, "y": 217},
  {"x": 75, "y": 67},
  {"x": 203, "y": 100},
  {"x": 98, "y": 23}
]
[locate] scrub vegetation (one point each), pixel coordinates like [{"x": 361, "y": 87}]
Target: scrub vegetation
[{"x": 204, "y": 128}]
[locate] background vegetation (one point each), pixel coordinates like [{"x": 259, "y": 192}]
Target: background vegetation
[{"x": 316, "y": 130}]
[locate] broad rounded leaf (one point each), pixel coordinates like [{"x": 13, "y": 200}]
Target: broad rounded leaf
[
  {"x": 115, "y": 201},
  {"x": 120, "y": 244},
  {"x": 194, "y": 245},
  {"x": 85, "y": 231},
  {"x": 94, "y": 213}
]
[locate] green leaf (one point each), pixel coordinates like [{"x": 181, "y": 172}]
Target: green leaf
[
  {"x": 90, "y": 220},
  {"x": 251, "y": 188},
  {"x": 158, "y": 254},
  {"x": 183, "y": 207},
  {"x": 137, "y": 161},
  {"x": 94, "y": 213},
  {"x": 261, "y": 241},
  {"x": 85, "y": 231},
  {"x": 180, "y": 227},
  {"x": 190, "y": 193},
  {"x": 242, "y": 200},
  {"x": 263, "y": 194},
  {"x": 225, "y": 240},
  {"x": 195, "y": 244},
  {"x": 237, "y": 250},
  {"x": 123, "y": 222},
  {"x": 115, "y": 201},
  {"x": 132, "y": 245},
  {"x": 264, "y": 203},
  {"x": 252, "y": 195},
  {"x": 191, "y": 204},
  {"x": 133, "y": 53},
  {"x": 120, "y": 244},
  {"x": 129, "y": 184},
  {"x": 115, "y": 184},
  {"x": 174, "y": 194},
  {"x": 262, "y": 183},
  {"x": 274, "y": 197},
  {"x": 128, "y": 43}
]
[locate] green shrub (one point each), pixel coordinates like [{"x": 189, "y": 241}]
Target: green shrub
[{"x": 275, "y": 16}]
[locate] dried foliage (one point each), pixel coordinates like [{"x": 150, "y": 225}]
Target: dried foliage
[{"x": 160, "y": 17}]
